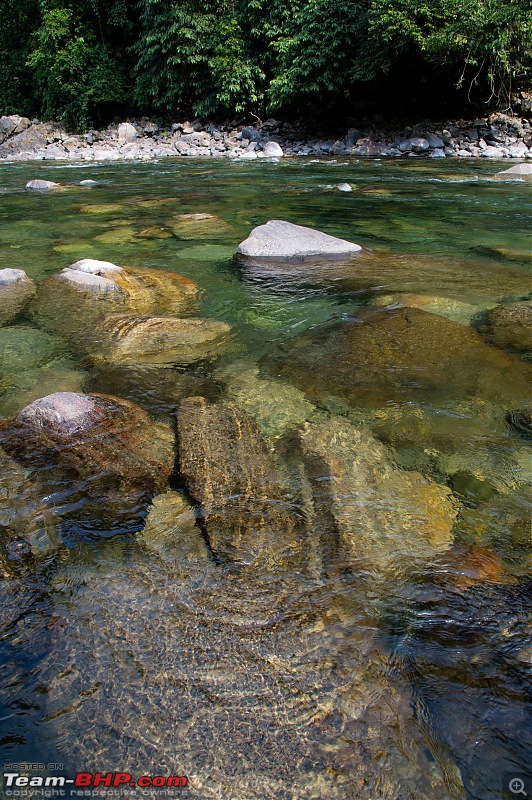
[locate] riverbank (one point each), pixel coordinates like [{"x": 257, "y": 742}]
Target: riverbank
[{"x": 497, "y": 136}]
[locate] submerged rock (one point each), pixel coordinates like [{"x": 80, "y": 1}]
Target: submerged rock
[
  {"x": 27, "y": 523},
  {"x": 510, "y": 326},
  {"x": 275, "y": 406},
  {"x": 456, "y": 310},
  {"x": 232, "y": 659},
  {"x": 229, "y": 471},
  {"x": 155, "y": 389},
  {"x": 521, "y": 421},
  {"x": 23, "y": 348},
  {"x": 77, "y": 297},
  {"x": 377, "y": 272},
  {"x": 502, "y": 524},
  {"x": 465, "y": 443},
  {"x": 399, "y": 355},
  {"x": 16, "y": 291},
  {"x": 157, "y": 341},
  {"x": 199, "y": 226},
  {"x": 23, "y": 388},
  {"x": 102, "y": 456},
  {"x": 171, "y": 532},
  {"x": 361, "y": 502},
  {"x": 278, "y": 239}
]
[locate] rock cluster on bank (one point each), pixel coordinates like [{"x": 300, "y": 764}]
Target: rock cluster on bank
[{"x": 496, "y": 136}]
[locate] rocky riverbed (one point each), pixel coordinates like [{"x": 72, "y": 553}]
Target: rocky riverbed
[
  {"x": 263, "y": 561},
  {"x": 496, "y": 136}
]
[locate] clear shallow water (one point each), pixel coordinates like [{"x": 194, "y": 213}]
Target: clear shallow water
[{"x": 113, "y": 659}]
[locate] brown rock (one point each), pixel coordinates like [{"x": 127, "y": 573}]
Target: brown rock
[
  {"x": 510, "y": 326},
  {"x": 77, "y": 297},
  {"x": 199, "y": 226},
  {"x": 228, "y": 470},
  {"x": 399, "y": 355},
  {"x": 371, "y": 509},
  {"x": 103, "y": 454},
  {"x": 156, "y": 341},
  {"x": 27, "y": 523},
  {"x": 171, "y": 532}
]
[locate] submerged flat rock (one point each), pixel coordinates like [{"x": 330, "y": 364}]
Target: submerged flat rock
[
  {"x": 510, "y": 326},
  {"x": 162, "y": 341},
  {"x": 519, "y": 171},
  {"x": 228, "y": 469},
  {"x": 281, "y": 239},
  {"x": 399, "y": 355},
  {"x": 379, "y": 513}
]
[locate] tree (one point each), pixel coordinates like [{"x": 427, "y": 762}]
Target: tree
[
  {"x": 488, "y": 42},
  {"x": 79, "y": 58},
  {"x": 192, "y": 55},
  {"x": 19, "y": 19}
]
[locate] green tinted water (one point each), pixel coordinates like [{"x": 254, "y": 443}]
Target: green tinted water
[{"x": 115, "y": 660}]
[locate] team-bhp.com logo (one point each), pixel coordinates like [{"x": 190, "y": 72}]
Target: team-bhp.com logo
[{"x": 94, "y": 780}]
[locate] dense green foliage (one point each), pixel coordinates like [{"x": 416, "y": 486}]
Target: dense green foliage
[{"x": 83, "y": 60}]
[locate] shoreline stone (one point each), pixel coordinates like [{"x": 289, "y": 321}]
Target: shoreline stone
[{"x": 497, "y": 136}]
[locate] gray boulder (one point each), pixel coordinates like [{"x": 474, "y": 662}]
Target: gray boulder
[
  {"x": 16, "y": 291},
  {"x": 367, "y": 148},
  {"x": 251, "y": 133},
  {"x": 28, "y": 142},
  {"x": 416, "y": 144},
  {"x": 491, "y": 152},
  {"x": 434, "y": 141},
  {"x": 12, "y": 125},
  {"x": 272, "y": 150},
  {"x": 126, "y": 133},
  {"x": 282, "y": 240},
  {"x": 41, "y": 186},
  {"x": 519, "y": 172}
]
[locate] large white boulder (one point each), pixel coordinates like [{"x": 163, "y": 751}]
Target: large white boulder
[
  {"x": 519, "y": 172},
  {"x": 41, "y": 186},
  {"x": 280, "y": 239},
  {"x": 272, "y": 150},
  {"x": 126, "y": 133}
]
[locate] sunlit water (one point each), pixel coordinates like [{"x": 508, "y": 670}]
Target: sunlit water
[{"x": 275, "y": 685}]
